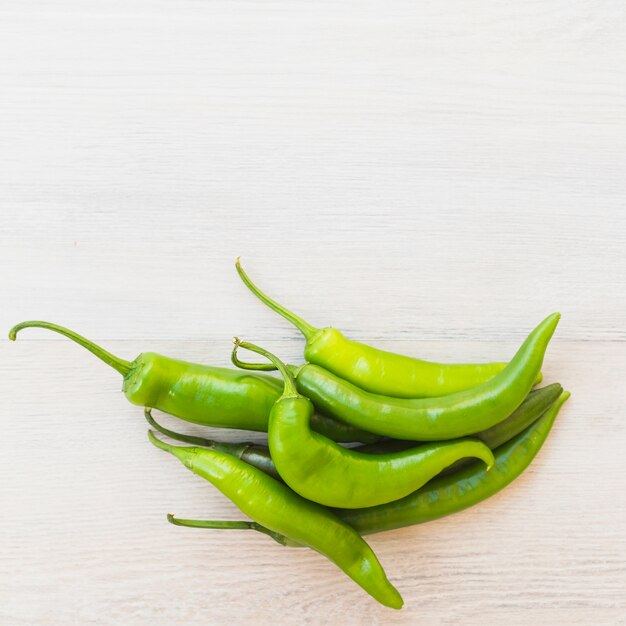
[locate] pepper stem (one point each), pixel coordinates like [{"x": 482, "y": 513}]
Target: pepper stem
[
  {"x": 237, "y": 450},
  {"x": 304, "y": 327},
  {"x": 196, "y": 441},
  {"x": 290, "y": 382},
  {"x": 227, "y": 525},
  {"x": 122, "y": 366},
  {"x": 263, "y": 367},
  {"x": 184, "y": 454}
]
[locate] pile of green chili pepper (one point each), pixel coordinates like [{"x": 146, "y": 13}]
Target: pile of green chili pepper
[{"x": 433, "y": 439}]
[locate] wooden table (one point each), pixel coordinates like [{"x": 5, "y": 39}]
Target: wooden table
[{"x": 432, "y": 178}]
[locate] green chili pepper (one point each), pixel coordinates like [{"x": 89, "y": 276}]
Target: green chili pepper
[
  {"x": 430, "y": 419},
  {"x": 212, "y": 396},
  {"x": 279, "y": 510},
  {"x": 378, "y": 371},
  {"x": 453, "y": 492},
  {"x": 323, "y": 471}
]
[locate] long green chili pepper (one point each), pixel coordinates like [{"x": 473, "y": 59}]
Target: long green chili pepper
[
  {"x": 323, "y": 471},
  {"x": 455, "y": 492},
  {"x": 430, "y": 419},
  {"x": 212, "y": 396},
  {"x": 274, "y": 506},
  {"x": 373, "y": 370}
]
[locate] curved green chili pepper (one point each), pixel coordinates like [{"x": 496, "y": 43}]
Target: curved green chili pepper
[
  {"x": 323, "y": 471},
  {"x": 431, "y": 419},
  {"x": 212, "y": 396},
  {"x": 278, "y": 509},
  {"x": 455, "y": 492},
  {"x": 378, "y": 371}
]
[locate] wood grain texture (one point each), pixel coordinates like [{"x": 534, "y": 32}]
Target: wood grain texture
[{"x": 430, "y": 177}]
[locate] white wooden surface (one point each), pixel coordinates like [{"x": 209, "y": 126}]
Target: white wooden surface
[{"x": 430, "y": 177}]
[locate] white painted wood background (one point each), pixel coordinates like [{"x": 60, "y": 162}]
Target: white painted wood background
[{"x": 430, "y": 177}]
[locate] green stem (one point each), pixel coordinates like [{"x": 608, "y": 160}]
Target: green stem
[
  {"x": 304, "y": 327},
  {"x": 263, "y": 367},
  {"x": 290, "y": 383},
  {"x": 196, "y": 441},
  {"x": 184, "y": 454},
  {"x": 213, "y": 524},
  {"x": 228, "y": 525},
  {"x": 122, "y": 366}
]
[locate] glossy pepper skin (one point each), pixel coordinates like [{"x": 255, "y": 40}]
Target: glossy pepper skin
[
  {"x": 452, "y": 493},
  {"x": 211, "y": 396},
  {"x": 378, "y": 371},
  {"x": 431, "y": 419},
  {"x": 323, "y": 471},
  {"x": 194, "y": 392},
  {"x": 276, "y": 508}
]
